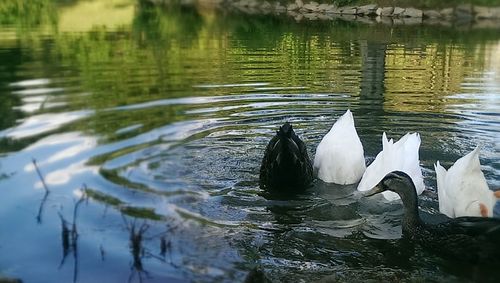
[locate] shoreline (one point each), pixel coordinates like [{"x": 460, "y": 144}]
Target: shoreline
[{"x": 463, "y": 15}]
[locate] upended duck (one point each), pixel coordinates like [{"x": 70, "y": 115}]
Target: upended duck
[
  {"x": 470, "y": 239},
  {"x": 286, "y": 167},
  {"x": 339, "y": 156},
  {"x": 462, "y": 190},
  {"x": 399, "y": 156}
]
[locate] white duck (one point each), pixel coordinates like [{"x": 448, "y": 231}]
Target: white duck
[
  {"x": 462, "y": 190},
  {"x": 399, "y": 156},
  {"x": 339, "y": 156}
]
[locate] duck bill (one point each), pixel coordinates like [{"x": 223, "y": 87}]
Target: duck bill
[{"x": 377, "y": 189}]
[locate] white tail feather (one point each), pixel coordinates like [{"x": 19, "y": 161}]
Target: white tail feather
[{"x": 400, "y": 156}]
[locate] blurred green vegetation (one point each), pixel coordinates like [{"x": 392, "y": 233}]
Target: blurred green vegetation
[{"x": 27, "y": 13}]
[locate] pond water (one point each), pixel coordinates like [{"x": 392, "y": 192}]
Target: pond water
[{"x": 161, "y": 115}]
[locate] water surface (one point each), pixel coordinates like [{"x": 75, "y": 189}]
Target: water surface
[{"x": 161, "y": 116}]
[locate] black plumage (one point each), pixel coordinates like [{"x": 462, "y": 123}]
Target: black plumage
[{"x": 286, "y": 167}]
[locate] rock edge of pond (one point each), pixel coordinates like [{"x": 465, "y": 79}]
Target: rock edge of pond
[{"x": 467, "y": 15}]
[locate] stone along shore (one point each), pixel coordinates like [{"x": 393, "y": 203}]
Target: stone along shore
[{"x": 462, "y": 14}]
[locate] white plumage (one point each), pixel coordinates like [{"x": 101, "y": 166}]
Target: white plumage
[
  {"x": 399, "y": 156},
  {"x": 462, "y": 190},
  {"x": 339, "y": 156}
]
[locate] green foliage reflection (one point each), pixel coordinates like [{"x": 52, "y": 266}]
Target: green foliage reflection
[
  {"x": 27, "y": 13},
  {"x": 162, "y": 24},
  {"x": 167, "y": 51}
]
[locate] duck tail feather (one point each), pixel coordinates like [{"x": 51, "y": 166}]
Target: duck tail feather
[{"x": 285, "y": 131}]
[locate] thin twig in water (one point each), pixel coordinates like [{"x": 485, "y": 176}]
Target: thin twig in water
[
  {"x": 42, "y": 203},
  {"x": 70, "y": 237},
  {"x": 103, "y": 252},
  {"x": 40, "y": 175},
  {"x": 64, "y": 234},
  {"x": 40, "y": 209},
  {"x": 75, "y": 211},
  {"x": 136, "y": 237}
]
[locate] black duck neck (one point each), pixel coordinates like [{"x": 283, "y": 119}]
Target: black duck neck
[{"x": 411, "y": 219}]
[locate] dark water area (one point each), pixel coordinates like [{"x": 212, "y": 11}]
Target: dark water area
[{"x": 147, "y": 125}]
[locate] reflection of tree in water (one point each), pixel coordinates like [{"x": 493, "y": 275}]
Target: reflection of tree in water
[
  {"x": 28, "y": 13},
  {"x": 160, "y": 27},
  {"x": 372, "y": 85},
  {"x": 372, "y": 69},
  {"x": 262, "y": 30},
  {"x": 27, "y": 18},
  {"x": 11, "y": 59},
  {"x": 164, "y": 24}
]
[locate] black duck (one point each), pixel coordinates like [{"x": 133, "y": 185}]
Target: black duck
[{"x": 286, "y": 167}]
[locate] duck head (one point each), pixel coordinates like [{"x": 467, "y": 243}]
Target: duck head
[
  {"x": 402, "y": 184},
  {"x": 286, "y": 165},
  {"x": 396, "y": 181}
]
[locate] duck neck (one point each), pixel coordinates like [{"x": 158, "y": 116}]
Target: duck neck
[{"x": 411, "y": 219}]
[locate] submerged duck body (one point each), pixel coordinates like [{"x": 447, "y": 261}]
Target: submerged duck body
[
  {"x": 339, "y": 156},
  {"x": 462, "y": 189},
  {"x": 470, "y": 239},
  {"x": 399, "y": 156},
  {"x": 286, "y": 166}
]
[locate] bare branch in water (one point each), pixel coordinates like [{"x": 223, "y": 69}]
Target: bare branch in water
[
  {"x": 70, "y": 236},
  {"x": 103, "y": 253},
  {"x": 40, "y": 175},
  {"x": 42, "y": 203},
  {"x": 163, "y": 246},
  {"x": 40, "y": 209},
  {"x": 66, "y": 241},
  {"x": 136, "y": 248},
  {"x": 75, "y": 210}
]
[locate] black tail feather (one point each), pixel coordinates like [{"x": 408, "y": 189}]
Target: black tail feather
[
  {"x": 285, "y": 131},
  {"x": 286, "y": 165}
]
